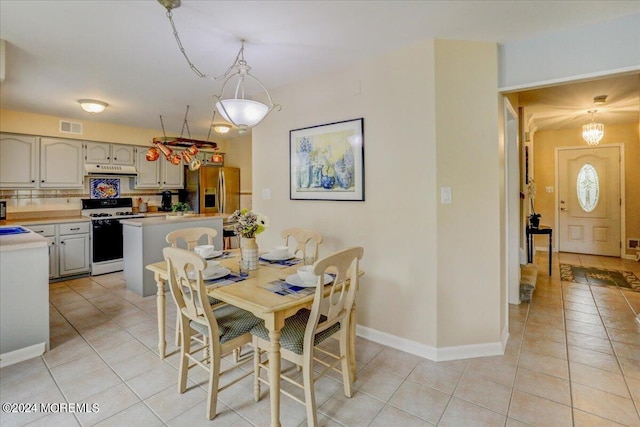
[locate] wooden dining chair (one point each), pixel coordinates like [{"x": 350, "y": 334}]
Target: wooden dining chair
[
  {"x": 226, "y": 328},
  {"x": 191, "y": 238},
  {"x": 330, "y": 315},
  {"x": 304, "y": 239}
]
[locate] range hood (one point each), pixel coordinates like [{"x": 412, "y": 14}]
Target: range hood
[{"x": 122, "y": 170}]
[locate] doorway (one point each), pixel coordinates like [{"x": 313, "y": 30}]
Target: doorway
[{"x": 589, "y": 200}]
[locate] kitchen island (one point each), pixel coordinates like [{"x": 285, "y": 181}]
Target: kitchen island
[
  {"x": 24, "y": 295},
  {"x": 144, "y": 239}
]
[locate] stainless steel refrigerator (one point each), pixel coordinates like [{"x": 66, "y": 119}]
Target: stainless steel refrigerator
[{"x": 212, "y": 189}]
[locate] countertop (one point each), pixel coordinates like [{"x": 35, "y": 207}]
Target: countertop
[
  {"x": 28, "y": 240},
  {"x": 38, "y": 221},
  {"x": 162, "y": 219}
]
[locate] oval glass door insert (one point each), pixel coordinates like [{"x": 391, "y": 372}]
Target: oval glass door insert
[{"x": 588, "y": 187}]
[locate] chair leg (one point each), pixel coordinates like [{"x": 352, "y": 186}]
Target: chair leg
[
  {"x": 256, "y": 370},
  {"x": 214, "y": 376},
  {"x": 178, "y": 329},
  {"x": 185, "y": 348},
  {"x": 345, "y": 357},
  {"x": 309, "y": 390}
]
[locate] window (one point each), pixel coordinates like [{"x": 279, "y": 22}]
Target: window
[{"x": 588, "y": 187}]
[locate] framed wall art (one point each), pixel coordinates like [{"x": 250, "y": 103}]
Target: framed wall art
[{"x": 326, "y": 162}]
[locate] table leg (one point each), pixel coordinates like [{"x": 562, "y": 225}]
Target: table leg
[
  {"x": 550, "y": 248},
  {"x": 160, "y": 303},
  {"x": 274, "y": 376}
]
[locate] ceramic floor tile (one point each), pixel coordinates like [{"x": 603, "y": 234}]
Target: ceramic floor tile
[
  {"x": 84, "y": 386},
  {"x": 77, "y": 368},
  {"x": 196, "y": 417},
  {"x": 584, "y": 419},
  {"x": 136, "y": 415},
  {"x": 359, "y": 410},
  {"x": 538, "y": 411},
  {"x": 168, "y": 403},
  {"x": 589, "y": 342},
  {"x": 545, "y": 347},
  {"x": 485, "y": 393},
  {"x": 597, "y": 378},
  {"x": 497, "y": 369},
  {"x": 390, "y": 416},
  {"x": 377, "y": 383},
  {"x": 594, "y": 359},
  {"x": 435, "y": 375},
  {"x": 461, "y": 413},
  {"x": 137, "y": 364},
  {"x": 110, "y": 401},
  {"x": 154, "y": 381},
  {"x": 605, "y": 405},
  {"x": 398, "y": 362},
  {"x": 59, "y": 419},
  {"x": 544, "y": 364},
  {"x": 542, "y": 385}
]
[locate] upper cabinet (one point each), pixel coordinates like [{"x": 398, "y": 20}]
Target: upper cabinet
[
  {"x": 61, "y": 163},
  {"x": 18, "y": 161},
  {"x": 103, "y": 153},
  {"x": 159, "y": 174}
]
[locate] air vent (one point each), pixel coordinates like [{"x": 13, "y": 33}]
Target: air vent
[{"x": 70, "y": 127}]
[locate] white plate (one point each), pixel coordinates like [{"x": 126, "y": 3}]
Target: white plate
[
  {"x": 215, "y": 254},
  {"x": 295, "y": 280},
  {"x": 221, "y": 272},
  {"x": 273, "y": 258}
]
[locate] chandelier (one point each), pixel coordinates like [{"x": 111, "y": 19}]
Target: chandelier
[
  {"x": 241, "y": 112},
  {"x": 593, "y": 132}
]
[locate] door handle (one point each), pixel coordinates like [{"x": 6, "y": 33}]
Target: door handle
[
  {"x": 562, "y": 201},
  {"x": 563, "y": 209}
]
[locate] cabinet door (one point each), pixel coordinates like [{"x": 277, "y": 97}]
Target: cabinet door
[
  {"x": 123, "y": 155},
  {"x": 18, "y": 161},
  {"x": 97, "y": 152},
  {"x": 74, "y": 254},
  {"x": 172, "y": 175},
  {"x": 61, "y": 163},
  {"x": 148, "y": 172}
]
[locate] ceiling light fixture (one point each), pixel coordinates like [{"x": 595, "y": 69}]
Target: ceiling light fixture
[
  {"x": 221, "y": 128},
  {"x": 593, "y": 132},
  {"x": 242, "y": 112},
  {"x": 92, "y": 106}
]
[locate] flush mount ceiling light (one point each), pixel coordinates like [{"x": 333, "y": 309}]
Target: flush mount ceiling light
[
  {"x": 92, "y": 106},
  {"x": 221, "y": 128},
  {"x": 593, "y": 132},
  {"x": 240, "y": 111}
]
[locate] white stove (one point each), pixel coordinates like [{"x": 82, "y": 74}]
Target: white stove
[{"x": 106, "y": 231}]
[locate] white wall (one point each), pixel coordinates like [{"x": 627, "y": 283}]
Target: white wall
[
  {"x": 589, "y": 50},
  {"x": 432, "y": 272}
]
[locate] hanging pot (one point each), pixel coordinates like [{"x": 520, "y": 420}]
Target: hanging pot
[
  {"x": 165, "y": 150},
  {"x": 153, "y": 154},
  {"x": 175, "y": 159},
  {"x": 195, "y": 164},
  {"x": 193, "y": 150}
]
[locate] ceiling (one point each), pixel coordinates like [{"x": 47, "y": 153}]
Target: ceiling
[{"x": 124, "y": 52}]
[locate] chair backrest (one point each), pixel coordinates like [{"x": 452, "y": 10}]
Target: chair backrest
[
  {"x": 339, "y": 301},
  {"x": 191, "y": 236},
  {"x": 189, "y": 293},
  {"x": 302, "y": 236}
]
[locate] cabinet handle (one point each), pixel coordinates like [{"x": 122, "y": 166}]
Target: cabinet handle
[
  {"x": 33, "y": 180},
  {"x": 73, "y": 229},
  {"x": 42, "y": 180},
  {"x": 62, "y": 243}
]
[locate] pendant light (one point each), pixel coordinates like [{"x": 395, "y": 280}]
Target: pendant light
[
  {"x": 593, "y": 132},
  {"x": 241, "y": 111}
]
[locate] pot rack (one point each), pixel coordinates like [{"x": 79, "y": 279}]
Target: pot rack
[{"x": 185, "y": 142}]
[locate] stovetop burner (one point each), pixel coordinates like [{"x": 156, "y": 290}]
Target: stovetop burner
[{"x": 98, "y": 215}]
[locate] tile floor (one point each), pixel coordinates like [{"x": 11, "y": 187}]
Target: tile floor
[{"x": 573, "y": 359}]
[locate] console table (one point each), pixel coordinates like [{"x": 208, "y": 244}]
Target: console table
[{"x": 532, "y": 232}]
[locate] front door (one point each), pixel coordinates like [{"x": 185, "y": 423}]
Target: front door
[{"x": 589, "y": 200}]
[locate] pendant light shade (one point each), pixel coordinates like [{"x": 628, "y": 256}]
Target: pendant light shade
[
  {"x": 244, "y": 113},
  {"x": 593, "y": 132}
]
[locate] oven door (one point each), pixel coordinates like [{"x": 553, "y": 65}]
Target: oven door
[{"x": 107, "y": 240}]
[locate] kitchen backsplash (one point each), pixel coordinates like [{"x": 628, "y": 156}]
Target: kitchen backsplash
[{"x": 70, "y": 199}]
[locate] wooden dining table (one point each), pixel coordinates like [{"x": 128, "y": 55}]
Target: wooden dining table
[{"x": 251, "y": 295}]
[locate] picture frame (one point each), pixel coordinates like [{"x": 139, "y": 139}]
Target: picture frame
[{"x": 326, "y": 162}]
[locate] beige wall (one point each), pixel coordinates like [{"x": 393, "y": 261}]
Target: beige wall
[
  {"x": 469, "y": 229},
  {"x": 544, "y": 144},
  {"x": 432, "y": 271},
  {"x": 239, "y": 155}
]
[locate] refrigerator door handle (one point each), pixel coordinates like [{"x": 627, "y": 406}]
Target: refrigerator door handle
[{"x": 222, "y": 193}]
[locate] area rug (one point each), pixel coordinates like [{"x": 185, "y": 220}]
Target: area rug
[{"x": 599, "y": 277}]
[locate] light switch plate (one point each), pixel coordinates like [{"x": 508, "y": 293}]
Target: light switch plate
[
  {"x": 266, "y": 193},
  {"x": 445, "y": 195}
]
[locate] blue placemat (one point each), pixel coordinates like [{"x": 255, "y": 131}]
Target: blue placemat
[
  {"x": 283, "y": 288},
  {"x": 224, "y": 281},
  {"x": 284, "y": 263}
]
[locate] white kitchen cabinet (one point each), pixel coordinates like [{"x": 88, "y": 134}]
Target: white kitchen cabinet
[
  {"x": 148, "y": 172},
  {"x": 172, "y": 175},
  {"x": 73, "y": 248},
  {"x": 160, "y": 174},
  {"x": 18, "y": 161},
  {"x": 68, "y": 247},
  {"x": 104, "y": 153},
  {"x": 61, "y": 163}
]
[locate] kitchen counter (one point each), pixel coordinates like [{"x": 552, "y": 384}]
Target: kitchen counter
[
  {"x": 24, "y": 297},
  {"x": 144, "y": 239},
  {"x": 38, "y": 221}
]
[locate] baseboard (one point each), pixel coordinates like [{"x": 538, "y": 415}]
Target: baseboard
[
  {"x": 430, "y": 352},
  {"x": 22, "y": 354}
]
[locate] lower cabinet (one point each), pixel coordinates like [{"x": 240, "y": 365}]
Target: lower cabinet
[{"x": 69, "y": 251}]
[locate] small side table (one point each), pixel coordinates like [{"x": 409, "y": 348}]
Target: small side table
[{"x": 534, "y": 231}]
